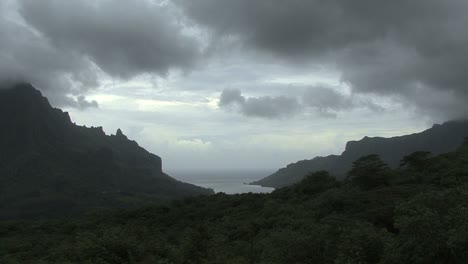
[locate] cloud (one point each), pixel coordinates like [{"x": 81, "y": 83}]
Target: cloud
[
  {"x": 194, "y": 145},
  {"x": 231, "y": 96},
  {"x": 414, "y": 51},
  {"x": 406, "y": 49},
  {"x": 122, "y": 38},
  {"x": 327, "y": 101},
  {"x": 82, "y": 103},
  {"x": 26, "y": 56},
  {"x": 68, "y": 47},
  {"x": 264, "y": 107},
  {"x": 322, "y": 100}
]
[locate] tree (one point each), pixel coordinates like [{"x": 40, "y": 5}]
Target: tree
[
  {"x": 415, "y": 166},
  {"x": 369, "y": 172},
  {"x": 316, "y": 182},
  {"x": 417, "y": 160}
]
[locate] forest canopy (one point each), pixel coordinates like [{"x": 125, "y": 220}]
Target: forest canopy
[{"x": 416, "y": 213}]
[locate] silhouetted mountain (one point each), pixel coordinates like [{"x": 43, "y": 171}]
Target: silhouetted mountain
[
  {"x": 438, "y": 139},
  {"x": 51, "y": 167}
]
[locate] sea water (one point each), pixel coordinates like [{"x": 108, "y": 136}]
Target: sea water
[{"x": 226, "y": 181}]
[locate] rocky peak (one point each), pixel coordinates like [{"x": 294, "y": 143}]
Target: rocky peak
[{"x": 120, "y": 134}]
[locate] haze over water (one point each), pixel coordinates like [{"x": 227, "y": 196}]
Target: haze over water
[{"x": 229, "y": 181}]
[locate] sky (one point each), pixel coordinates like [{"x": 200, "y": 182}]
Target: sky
[{"x": 225, "y": 84}]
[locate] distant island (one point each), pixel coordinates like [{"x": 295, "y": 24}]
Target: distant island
[
  {"x": 438, "y": 139},
  {"x": 50, "y": 167}
]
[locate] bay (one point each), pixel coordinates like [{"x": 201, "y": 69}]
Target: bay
[{"x": 232, "y": 181}]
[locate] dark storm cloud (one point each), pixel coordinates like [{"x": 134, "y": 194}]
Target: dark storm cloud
[
  {"x": 123, "y": 38},
  {"x": 26, "y": 56},
  {"x": 412, "y": 49},
  {"x": 64, "y": 47},
  {"x": 324, "y": 101}
]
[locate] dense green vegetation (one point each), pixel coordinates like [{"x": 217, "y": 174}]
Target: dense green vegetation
[{"x": 414, "y": 214}]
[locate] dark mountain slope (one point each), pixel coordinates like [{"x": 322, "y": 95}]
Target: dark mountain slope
[
  {"x": 418, "y": 214},
  {"x": 438, "y": 139},
  {"x": 51, "y": 167}
]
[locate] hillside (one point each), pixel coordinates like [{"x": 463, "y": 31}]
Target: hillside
[
  {"x": 51, "y": 167},
  {"x": 416, "y": 213},
  {"x": 438, "y": 139}
]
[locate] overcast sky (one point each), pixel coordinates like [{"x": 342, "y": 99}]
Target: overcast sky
[{"x": 246, "y": 83}]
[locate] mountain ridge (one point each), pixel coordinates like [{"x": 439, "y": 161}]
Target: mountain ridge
[
  {"x": 440, "y": 138},
  {"x": 49, "y": 166}
]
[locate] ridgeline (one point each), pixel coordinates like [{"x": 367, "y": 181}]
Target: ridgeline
[
  {"x": 438, "y": 139},
  {"x": 50, "y": 167}
]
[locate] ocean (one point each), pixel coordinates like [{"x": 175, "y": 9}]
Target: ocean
[{"x": 226, "y": 181}]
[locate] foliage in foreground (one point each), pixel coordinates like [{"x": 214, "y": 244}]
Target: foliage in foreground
[{"x": 415, "y": 214}]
